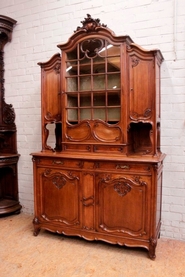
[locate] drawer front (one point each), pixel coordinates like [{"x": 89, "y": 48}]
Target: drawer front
[{"x": 95, "y": 165}]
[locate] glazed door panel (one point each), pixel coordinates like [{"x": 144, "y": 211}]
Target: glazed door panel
[
  {"x": 58, "y": 196},
  {"x": 123, "y": 204}
]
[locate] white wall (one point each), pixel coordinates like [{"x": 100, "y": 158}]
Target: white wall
[{"x": 42, "y": 24}]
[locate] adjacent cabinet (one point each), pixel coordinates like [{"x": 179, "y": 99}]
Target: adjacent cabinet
[
  {"x": 99, "y": 174},
  {"x": 9, "y": 156}
]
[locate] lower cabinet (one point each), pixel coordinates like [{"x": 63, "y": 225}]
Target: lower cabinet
[{"x": 114, "y": 201}]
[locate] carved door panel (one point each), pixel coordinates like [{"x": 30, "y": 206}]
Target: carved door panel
[
  {"x": 51, "y": 96},
  {"x": 57, "y": 194},
  {"x": 123, "y": 204},
  {"x": 141, "y": 87}
]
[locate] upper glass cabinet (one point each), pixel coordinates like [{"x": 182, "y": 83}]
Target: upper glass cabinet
[{"x": 93, "y": 81}]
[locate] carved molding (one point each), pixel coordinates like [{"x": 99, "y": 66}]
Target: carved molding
[
  {"x": 6, "y": 26},
  {"x": 9, "y": 160}
]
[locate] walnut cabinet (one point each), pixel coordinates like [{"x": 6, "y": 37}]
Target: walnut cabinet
[{"x": 99, "y": 173}]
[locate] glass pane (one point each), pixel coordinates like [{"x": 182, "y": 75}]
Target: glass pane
[
  {"x": 85, "y": 100},
  {"x": 71, "y": 84},
  {"x": 99, "y": 82},
  {"x": 114, "y": 114},
  {"x": 85, "y": 69},
  {"x": 98, "y": 65},
  {"x": 99, "y": 99},
  {"x": 85, "y": 114},
  {"x": 114, "y": 99},
  {"x": 99, "y": 114},
  {"x": 72, "y": 55},
  {"x": 72, "y": 114},
  {"x": 72, "y": 100},
  {"x": 85, "y": 83},
  {"x": 113, "y": 64},
  {"x": 113, "y": 50},
  {"x": 71, "y": 68},
  {"x": 113, "y": 81}
]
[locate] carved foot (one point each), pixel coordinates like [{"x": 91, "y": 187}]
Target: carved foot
[
  {"x": 152, "y": 247},
  {"x": 36, "y": 231},
  {"x": 36, "y": 226}
]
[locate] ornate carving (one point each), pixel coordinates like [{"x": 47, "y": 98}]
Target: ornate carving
[
  {"x": 122, "y": 188},
  {"x": 135, "y": 62},
  {"x": 90, "y": 24},
  {"x": 57, "y": 68},
  {"x": 8, "y": 114},
  {"x": 152, "y": 247},
  {"x": 59, "y": 179},
  {"x": 146, "y": 115},
  {"x": 138, "y": 180},
  {"x": 50, "y": 117}
]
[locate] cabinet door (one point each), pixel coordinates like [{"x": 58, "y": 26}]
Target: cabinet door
[
  {"x": 123, "y": 204},
  {"x": 51, "y": 97},
  {"x": 57, "y": 197},
  {"x": 141, "y": 87}
]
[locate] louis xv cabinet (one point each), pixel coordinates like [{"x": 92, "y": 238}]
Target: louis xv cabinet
[{"x": 99, "y": 174}]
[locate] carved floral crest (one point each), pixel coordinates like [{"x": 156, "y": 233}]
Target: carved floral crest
[{"x": 90, "y": 24}]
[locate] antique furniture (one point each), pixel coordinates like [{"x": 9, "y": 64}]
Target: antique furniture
[
  {"x": 99, "y": 174},
  {"x": 9, "y": 201}
]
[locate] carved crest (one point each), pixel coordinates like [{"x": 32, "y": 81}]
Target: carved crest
[{"x": 90, "y": 24}]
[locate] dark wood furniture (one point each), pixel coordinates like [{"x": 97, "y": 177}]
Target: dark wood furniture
[
  {"x": 101, "y": 178},
  {"x": 9, "y": 201}
]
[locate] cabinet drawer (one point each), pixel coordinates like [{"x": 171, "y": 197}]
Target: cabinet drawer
[
  {"x": 58, "y": 162},
  {"x": 124, "y": 167}
]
